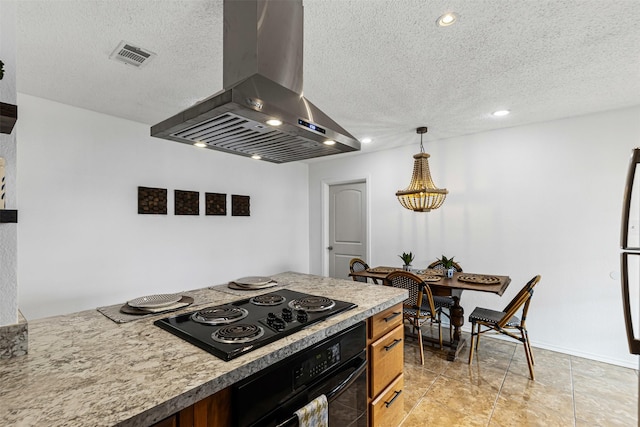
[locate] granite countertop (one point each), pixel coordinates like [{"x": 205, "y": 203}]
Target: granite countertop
[{"x": 84, "y": 369}]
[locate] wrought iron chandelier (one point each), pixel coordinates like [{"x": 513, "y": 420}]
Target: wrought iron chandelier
[{"x": 421, "y": 195}]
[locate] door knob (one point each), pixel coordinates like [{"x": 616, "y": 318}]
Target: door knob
[{"x": 330, "y": 248}]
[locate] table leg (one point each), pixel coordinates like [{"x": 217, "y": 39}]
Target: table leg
[
  {"x": 456, "y": 321},
  {"x": 457, "y": 318}
]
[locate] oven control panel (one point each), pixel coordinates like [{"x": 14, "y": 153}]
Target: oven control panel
[{"x": 316, "y": 364}]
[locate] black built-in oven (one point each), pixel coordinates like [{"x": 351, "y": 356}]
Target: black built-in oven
[{"x": 335, "y": 367}]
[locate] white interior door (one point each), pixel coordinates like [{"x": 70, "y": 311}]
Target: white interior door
[{"x": 347, "y": 226}]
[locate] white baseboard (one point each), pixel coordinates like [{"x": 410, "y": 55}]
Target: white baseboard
[{"x": 569, "y": 351}]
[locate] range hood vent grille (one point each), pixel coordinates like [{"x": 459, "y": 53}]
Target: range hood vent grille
[{"x": 239, "y": 135}]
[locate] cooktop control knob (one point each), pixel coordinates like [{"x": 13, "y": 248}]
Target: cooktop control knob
[
  {"x": 287, "y": 315},
  {"x": 278, "y": 324},
  {"x": 302, "y": 316},
  {"x": 270, "y": 319}
]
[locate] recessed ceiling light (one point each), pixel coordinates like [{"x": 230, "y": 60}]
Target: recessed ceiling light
[
  {"x": 447, "y": 19},
  {"x": 366, "y": 140},
  {"x": 500, "y": 113},
  {"x": 256, "y": 157},
  {"x": 200, "y": 144},
  {"x": 329, "y": 142},
  {"x": 274, "y": 122}
]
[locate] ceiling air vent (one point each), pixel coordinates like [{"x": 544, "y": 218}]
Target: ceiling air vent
[{"x": 131, "y": 55}]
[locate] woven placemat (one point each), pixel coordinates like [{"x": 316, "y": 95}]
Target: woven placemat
[
  {"x": 384, "y": 269},
  {"x": 478, "y": 279},
  {"x": 430, "y": 278},
  {"x": 432, "y": 272}
]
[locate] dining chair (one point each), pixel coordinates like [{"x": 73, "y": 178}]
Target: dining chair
[
  {"x": 446, "y": 301},
  {"x": 505, "y": 322},
  {"x": 414, "y": 310},
  {"x": 356, "y": 265}
]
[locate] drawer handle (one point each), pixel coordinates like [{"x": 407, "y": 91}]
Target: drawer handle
[
  {"x": 395, "y": 395},
  {"x": 393, "y": 344},
  {"x": 393, "y": 316}
]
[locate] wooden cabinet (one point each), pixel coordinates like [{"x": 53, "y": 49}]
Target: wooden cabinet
[
  {"x": 387, "y": 409},
  {"x": 384, "y": 321},
  {"x": 386, "y": 360},
  {"x": 171, "y": 421},
  {"x": 213, "y": 411},
  {"x": 385, "y": 353}
]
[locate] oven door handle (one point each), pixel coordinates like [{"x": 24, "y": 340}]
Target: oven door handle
[
  {"x": 340, "y": 388},
  {"x": 337, "y": 391}
]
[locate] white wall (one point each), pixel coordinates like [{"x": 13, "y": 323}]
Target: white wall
[
  {"x": 540, "y": 199},
  {"x": 8, "y": 232},
  {"x": 82, "y": 242}
]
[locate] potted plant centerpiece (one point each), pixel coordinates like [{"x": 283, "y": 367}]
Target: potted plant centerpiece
[
  {"x": 447, "y": 263},
  {"x": 407, "y": 258}
]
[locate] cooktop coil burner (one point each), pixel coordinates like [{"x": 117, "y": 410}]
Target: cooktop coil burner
[
  {"x": 240, "y": 333},
  {"x": 220, "y": 315},
  {"x": 268, "y": 299},
  {"x": 312, "y": 303}
]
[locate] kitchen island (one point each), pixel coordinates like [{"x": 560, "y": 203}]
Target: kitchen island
[{"x": 84, "y": 369}]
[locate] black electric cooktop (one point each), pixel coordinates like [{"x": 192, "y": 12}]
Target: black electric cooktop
[{"x": 231, "y": 330}]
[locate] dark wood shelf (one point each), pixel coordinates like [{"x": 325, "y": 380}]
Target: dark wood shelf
[
  {"x": 8, "y": 215},
  {"x": 8, "y": 117}
]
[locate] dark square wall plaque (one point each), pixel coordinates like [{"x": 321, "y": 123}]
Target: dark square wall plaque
[
  {"x": 8, "y": 215},
  {"x": 215, "y": 204},
  {"x": 8, "y": 117},
  {"x": 152, "y": 200},
  {"x": 240, "y": 205},
  {"x": 186, "y": 202}
]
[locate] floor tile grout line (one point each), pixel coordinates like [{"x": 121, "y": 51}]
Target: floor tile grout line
[
  {"x": 420, "y": 400},
  {"x": 504, "y": 379}
]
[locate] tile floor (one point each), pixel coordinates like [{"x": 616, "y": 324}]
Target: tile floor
[{"x": 496, "y": 391}]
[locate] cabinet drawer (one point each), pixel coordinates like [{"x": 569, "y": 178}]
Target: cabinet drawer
[
  {"x": 387, "y": 358},
  {"x": 388, "y": 409},
  {"x": 385, "y": 321}
]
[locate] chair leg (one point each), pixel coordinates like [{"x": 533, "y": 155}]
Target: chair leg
[
  {"x": 420, "y": 343},
  {"x": 440, "y": 334},
  {"x": 473, "y": 325},
  {"x": 526, "y": 334},
  {"x": 527, "y": 353}
]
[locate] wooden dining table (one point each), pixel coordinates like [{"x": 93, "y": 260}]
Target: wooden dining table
[{"x": 442, "y": 286}]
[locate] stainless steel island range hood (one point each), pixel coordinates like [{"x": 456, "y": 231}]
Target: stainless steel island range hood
[{"x": 262, "y": 78}]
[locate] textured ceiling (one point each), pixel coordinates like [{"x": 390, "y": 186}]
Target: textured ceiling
[{"x": 380, "y": 68}]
